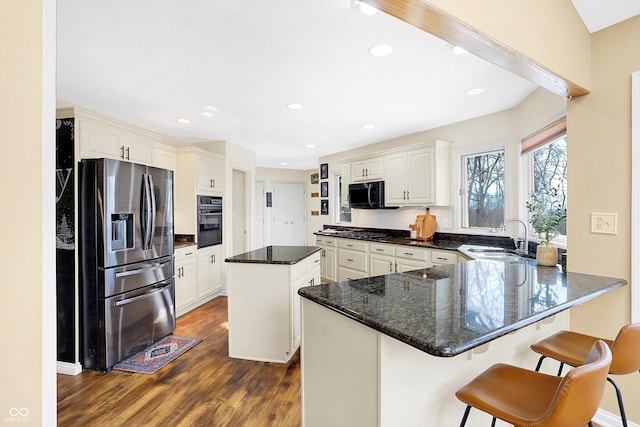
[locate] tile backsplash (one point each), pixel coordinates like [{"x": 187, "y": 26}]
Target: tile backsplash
[{"x": 399, "y": 219}]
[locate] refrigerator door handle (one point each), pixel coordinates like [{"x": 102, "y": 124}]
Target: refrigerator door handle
[
  {"x": 139, "y": 297},
  {"x": 158, "y": 266},
  {"x": 152, "y": 212},
  {"x": 145, "y": 210}
]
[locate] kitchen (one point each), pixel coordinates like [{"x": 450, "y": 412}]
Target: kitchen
[{"x": 593, "y": 188}]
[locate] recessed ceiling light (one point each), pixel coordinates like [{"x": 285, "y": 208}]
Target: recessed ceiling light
[
  {"x": 475, "y": 91},
  {"x": 294, "y": 106},
  {"x": 211, "y": 108},
  {"x": 284, "y": 163},
  {"x": 364, "y": 8},
  {"x": 310, "y": 146},
  {"x": 381, "y": 50},
  {"x": 183, "y": 121},
  {"x": 457, "y": 50},
  {"x": 207, "y": 113},
  {"x": 368, "y": 126}
]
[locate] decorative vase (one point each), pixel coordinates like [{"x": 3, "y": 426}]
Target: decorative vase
[{"x": 547, "y": 255}]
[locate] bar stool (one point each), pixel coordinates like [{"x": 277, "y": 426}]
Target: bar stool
[
  {"x": 571, "y": 348},
  {"x": 526, "y": 398}
]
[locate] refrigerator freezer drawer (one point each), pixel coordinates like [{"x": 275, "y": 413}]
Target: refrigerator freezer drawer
[
  {"x": 133, "y": 276},
  {"x": 132, "y": 322}
]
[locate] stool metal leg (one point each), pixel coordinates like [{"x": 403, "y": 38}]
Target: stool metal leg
[
  {"x": 464, "y": 417},
  {"x": 560, "y": 369},
  {"x": 620, "y": 404},
  {"x": 540, "y": 363}
]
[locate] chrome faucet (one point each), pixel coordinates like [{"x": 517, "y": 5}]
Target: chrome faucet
[{"x": 522, "y": 246}]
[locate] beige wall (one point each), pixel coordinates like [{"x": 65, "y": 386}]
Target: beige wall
[
  {"x": 27, "y": 225},
  {"x": 547, "y": 31},
  {"x": 600, "y": 181}
]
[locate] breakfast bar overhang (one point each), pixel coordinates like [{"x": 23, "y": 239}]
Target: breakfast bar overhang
[{"x": 392, "y": 350}]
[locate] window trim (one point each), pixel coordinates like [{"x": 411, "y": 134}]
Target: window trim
[{"x": 476, "y": 149}]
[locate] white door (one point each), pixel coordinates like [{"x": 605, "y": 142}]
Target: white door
[
  {"x": 289, "y": 222},
  {"x": 260, "y": 204}
]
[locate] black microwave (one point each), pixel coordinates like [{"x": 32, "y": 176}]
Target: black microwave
[{"x": 366, "y": 195}]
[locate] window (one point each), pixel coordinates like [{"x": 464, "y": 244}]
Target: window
[
  {"x": 545, "y": 154},
  {"x": 483, "y": 184},
  {"x": 342, "y": 214}
]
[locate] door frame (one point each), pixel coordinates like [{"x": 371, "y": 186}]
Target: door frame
[{"x": 635, "y": 196}]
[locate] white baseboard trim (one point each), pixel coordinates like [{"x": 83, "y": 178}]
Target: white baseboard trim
[
  {"x": 607, "y": 419},
  {"x": 68, "y": 368}
]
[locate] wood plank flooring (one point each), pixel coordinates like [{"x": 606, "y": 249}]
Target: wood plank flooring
[{"x": 203, "y": 387}]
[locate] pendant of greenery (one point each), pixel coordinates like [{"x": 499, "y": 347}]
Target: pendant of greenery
[{"x": 545, "y": 214}]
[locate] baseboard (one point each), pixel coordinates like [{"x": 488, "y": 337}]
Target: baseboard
[
  {"x": 607, "y": 419},
  {"x": 68, "y": 368}
]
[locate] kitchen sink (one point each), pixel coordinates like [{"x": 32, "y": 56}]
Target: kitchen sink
[{"x": 490, "y": 252}]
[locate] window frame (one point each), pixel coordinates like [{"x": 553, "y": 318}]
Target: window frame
[{"x": 460, "y": 207}]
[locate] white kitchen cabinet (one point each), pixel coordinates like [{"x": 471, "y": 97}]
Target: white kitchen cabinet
[
  {"x": 191, "y": 165},
  {"x": 441, "y": 257},
  {"x": 382, "y": 259},
  {"x": 210, "y": 173},
  {"x": 419, "y": 176},
  {"x": 210, "y": 261},
  {"x": 346, "y": 180},
  {"x": 264, "y": 307},
  {"x": 186, "y": 279},
  {"x": 353, "y": 259},
  {"x": 367, "y": 169},
  {"x": 328, "y": 265},
  {"x": 409, "y": 258},
  {"x": 104, "y": 137},
  {"x": 165, "y": 157}
]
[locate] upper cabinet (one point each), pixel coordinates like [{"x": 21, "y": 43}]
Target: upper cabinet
[
  {"x": 367, "y": 169},
  {"x": 166, "y": 156},
  {"x": 210, "y": 173},
  {"x": 419, "y": 176},
  {"x": 104, "y": 137}
]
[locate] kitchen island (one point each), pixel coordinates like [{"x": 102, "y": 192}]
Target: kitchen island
[
  {"x": 264, "y": 306},
  {"x": 392, "y": 350}
]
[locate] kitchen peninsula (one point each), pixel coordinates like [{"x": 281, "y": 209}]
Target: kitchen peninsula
[
  {"x": 264, "y": 305},
  {"x": 392, "y": 350}
]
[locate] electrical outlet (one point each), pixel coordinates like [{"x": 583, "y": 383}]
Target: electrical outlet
[{"x": 604, "y": 223}]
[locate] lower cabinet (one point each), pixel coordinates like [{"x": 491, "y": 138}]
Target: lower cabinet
[
  {"x": 382, "y": 259},
  {"x": 210, "y": 261},
  {"x": 186, "y": 279},
  {"x": 353, "y": 259},
  {"x": 328, "y": 265},
  {"x": 198, "y": 276}
]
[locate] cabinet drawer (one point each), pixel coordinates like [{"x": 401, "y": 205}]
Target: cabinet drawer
[
  {"x": 355, "y": 260},
  {"x": 319, "y": 241},
  {"x": 330, "y": 241},
  {"x": 349, "y": 274},
  {"x": 382, "y": 249},
  {"x": 354, "y": 245},
  {"x": 441, "y": 257},
  {"x": 412, "y": 253},
  {"x": 184, "y": 253}
]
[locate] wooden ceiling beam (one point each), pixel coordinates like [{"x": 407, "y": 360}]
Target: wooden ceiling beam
[{"x": 450, "y": 29}]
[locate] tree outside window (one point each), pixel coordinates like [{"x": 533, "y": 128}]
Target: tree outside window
[
  {"x": 484, "y": 175},
  {"x": 550, "y": 172}
]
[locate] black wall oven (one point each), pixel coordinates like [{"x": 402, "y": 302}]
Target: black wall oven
[{"x": 209, "y": 221}]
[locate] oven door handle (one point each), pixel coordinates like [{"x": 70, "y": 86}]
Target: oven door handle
[{"x": 147, "y": 294}]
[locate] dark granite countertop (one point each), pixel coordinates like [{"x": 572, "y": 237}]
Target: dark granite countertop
[
  {"x": 447, "y": 310},
  {"x": 275, "y": 255}
]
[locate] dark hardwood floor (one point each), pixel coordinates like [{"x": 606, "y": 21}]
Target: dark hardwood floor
[{"x": 203, "y": 387}]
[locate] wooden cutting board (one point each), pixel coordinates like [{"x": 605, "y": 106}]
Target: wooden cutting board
[{"x": 425, "y": 226}]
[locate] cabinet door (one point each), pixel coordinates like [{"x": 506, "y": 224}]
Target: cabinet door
[
  {"x": 209, "y": 174},
  {"x": 358, "y": 171},
  {"x": 395, "y": 193},
  {"x": 98, "y": 140},
  {"x": 216, "y": 273},
  {"x": 374, "y": 169},
  {"x": 206, "y": 260},
  {"x": 166, "y": 157},
  {"x": 331, "y": 265},
  {"x": 380, "y": 265},
  {"x": 420, "y": 176},
  {"x": 411, "y": 264},
  {"x": 186, "y": 283}
]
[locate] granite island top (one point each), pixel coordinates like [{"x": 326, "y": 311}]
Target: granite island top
[
  {"x": 275, "y": 255},
  {"x": 447, "y": 310}
]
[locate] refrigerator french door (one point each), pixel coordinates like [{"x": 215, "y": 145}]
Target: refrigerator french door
[{"x": 126, "y": 259}]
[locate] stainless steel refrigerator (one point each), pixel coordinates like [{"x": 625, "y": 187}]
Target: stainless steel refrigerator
[{"x": 126, "y": 259}]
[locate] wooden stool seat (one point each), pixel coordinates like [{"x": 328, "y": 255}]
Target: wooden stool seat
[
  {"x": 527, "y": 398},
  {"x": 572, "y": 348}
]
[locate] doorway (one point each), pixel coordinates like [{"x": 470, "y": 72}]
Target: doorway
[
  {"x": 239, "y": 211},
  {"x": 289, "y": 220},
  {"x": 258, "y": 222}
]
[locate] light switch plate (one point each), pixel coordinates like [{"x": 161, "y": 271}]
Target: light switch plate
[{"x": 604, "y": 223}]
